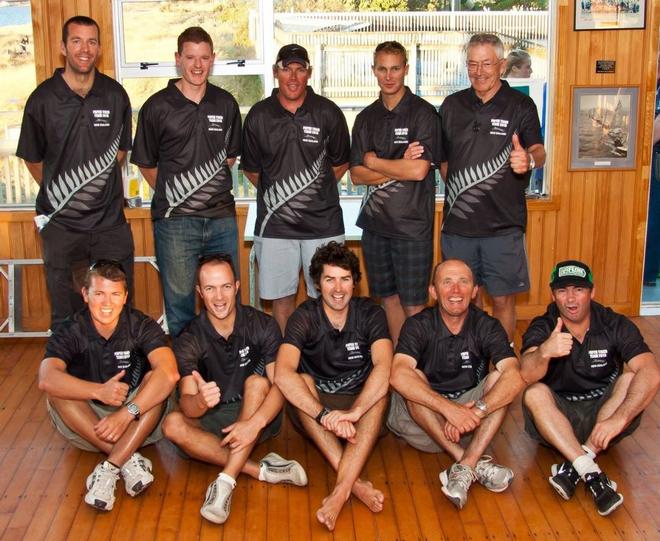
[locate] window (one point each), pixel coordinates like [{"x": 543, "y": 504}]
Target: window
[{"x": 17, "y": 73}]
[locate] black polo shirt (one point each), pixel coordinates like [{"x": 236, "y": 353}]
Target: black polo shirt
[
  {"x": 91, "y": 357},
  {"x": 297, "y": 196},
  {"x": 484, "y": 196},
  {"x": 77, "y": 139},
  {"x": 454, "y": 363},
  {"x": 250, "y": 347},
  {"x": 339, "y": 361},
  {"x": 591, "y": 366},
  {"x": 396, "y": 209},
  {"x": 190, "y": 144}
]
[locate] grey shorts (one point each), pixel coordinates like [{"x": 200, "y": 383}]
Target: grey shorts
[
  {"x": 400, "y": 422},
  {"x": 222, "y": 416},
  {"x": 498, "y": 262},
  {"x": 280, "y": 261},
  {"x": 101, "y": 410},
  {"x": 582, "y": 416}
]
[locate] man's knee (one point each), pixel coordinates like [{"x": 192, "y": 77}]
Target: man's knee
[
  {"x": 504, "y": 302},
  {"x": 256, "y": 386},
  {"x": 174, "y": 427},
  {"x": 538, "y": 396}
]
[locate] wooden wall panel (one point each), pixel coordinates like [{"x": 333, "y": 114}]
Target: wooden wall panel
[{"x": 597, "y": 216}]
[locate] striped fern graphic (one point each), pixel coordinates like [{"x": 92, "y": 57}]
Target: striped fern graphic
[
  {"x": 74, "y": 192},
  {"x": 377, "y": 195},
  {"x": 471, "y": 183},
  {"x": 195, "y": 187},
  {"x": 293, "y": 193}
]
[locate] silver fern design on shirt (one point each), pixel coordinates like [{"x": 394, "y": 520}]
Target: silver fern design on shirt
[
  {"x": 195, "y": 188},
  {"x": 73, "y": 193},
  {"x": 377, "y": 196},
  {"x": 473, "y": 182},
  {"x": 290, "y": 195}
]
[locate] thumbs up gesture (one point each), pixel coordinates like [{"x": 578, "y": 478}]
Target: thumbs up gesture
[
  {"x": 519, "y": 156},
  {"x": 113, "y": 392},
  {"x": 207, "y": 391},
  {"x": 559, "y": 343}
]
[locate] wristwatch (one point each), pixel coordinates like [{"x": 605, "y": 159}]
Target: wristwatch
[
  {"x": 482, "y": 407},
  {"x": 134, "y": 410},
  {"x": 532, "y": 163},
  {"x": 321, "y": 414}
]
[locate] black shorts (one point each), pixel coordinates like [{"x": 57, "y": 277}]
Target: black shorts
[
  {"x": 223, "y": 415},
  {"x": 397, "y": 266},
  {"x": 582, "y": 416}
]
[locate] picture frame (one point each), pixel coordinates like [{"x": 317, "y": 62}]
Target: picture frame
[
  {"x": 609, "y": 14},
  {"x": 604, "y": 127}
]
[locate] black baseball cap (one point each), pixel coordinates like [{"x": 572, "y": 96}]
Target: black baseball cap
[
  {"x": 571, "y": 273},
  {"x": 292, "y": 54}
]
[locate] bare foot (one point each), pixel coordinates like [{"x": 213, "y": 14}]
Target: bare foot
[
  {"x": 330, "y": 509},
  {"x": 368, "y": 495}
]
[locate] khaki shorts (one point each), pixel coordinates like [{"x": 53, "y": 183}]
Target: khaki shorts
[
  {"x": 402, "y": 424},
  {"x": 101, "y": 411}
]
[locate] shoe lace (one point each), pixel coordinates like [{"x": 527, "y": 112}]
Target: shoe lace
[
  {"x": 462, "y": 475},
  {"x": 104, "y": 483},
  {"x": 486, "y": 468}
]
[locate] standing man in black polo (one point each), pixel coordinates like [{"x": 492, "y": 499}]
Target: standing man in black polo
[
  {"x": 592, "y": 375},
  {"x": 391, "y": 152},
  {"x": 108, "y": 373},
  {"x": 491, "y": 140},
  {"x": 227, "y": 400},
  {"x": 76, "y": 131},
  {"x": 334, "y": 368},
  {"x": 295, "y": 149},
  {"x": 188, "y": 137},
  {"x": 443, "y": 386}
]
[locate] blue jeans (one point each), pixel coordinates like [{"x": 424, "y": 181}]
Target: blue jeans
[{"x": 180, "y": 242}]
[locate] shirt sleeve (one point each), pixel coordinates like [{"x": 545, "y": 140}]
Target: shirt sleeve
[
  {"x": 127, "y": 126},
  {"x": 412, "y": 340},
  {"x": 32, "y": 140},
  {"x": 359, "y": 142},
  {"x": 442, "y": 150},
  {"x": 427, "y": 132},
  {"x": 339, "y": 143},
  {"x": 234, "y": 144},
  {"x": 495, "y": 343},
  {"x": 187, "y": 353},
  {"x": 272, "y": 341},
  {"x": 297, "y": 329},
  {"x": 537, "y": 333},
  {"x": 629, "y": 341},
  {"x": 530, "y": 126},
  {"x": 376, "y": 322},
  {"x": 150, "y": 336},
  {"x": 250, "y": 145},
  {"x": 146, "y": 143},
  {"x": 63, "y": 345}
]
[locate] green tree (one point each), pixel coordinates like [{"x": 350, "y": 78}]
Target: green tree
[{"x": 383, "y": 5}]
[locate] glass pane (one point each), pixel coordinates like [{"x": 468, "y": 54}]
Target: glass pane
[
  {"x": 151, "y": 28},
  {"x": 18, "y": 77}
]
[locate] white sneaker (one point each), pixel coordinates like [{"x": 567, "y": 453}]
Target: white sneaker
[
  {"x": 217, "y": 504},
  {"x": 101, "y": 485},
  {"x": 137, "y": 474},
  {"x": 456, "y": 482},
  {"x": 275, "y": 469},
  {"x": 494, "y": 477}
]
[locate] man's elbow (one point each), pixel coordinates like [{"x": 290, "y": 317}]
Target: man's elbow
[{"x": 356, "y": 179}]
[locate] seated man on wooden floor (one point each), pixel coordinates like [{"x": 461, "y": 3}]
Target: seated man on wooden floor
[
  {"x": 108, "y": 372},
  {"x": 443, "y": 387},
  {"x": 592, "y": 375},
  {"x": 226, "y": 358},
  {"x": 334, "y": 367}
]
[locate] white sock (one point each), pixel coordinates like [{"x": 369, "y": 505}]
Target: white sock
[
  {"x": 589, "y": 452},
  {"x": 584, "y": 465},
  {"x": 262, "y": 468},
  {"x": 227, "y": 479}
]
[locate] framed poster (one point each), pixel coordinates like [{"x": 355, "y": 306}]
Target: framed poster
[
  {"x": 604, "y": 127},
  {"x": 609, "y": 14}
]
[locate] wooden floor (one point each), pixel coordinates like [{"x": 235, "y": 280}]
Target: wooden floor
[{"x": 42, "y": 484}]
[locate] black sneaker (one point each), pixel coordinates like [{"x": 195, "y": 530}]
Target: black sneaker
[
  {"x": 604, "y": 492},
  {"x": 564, "y": 479}
]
